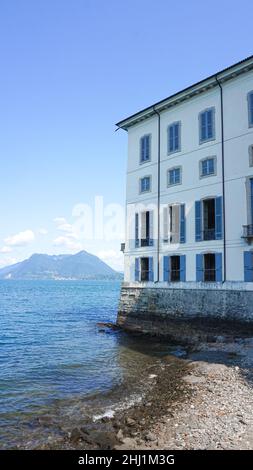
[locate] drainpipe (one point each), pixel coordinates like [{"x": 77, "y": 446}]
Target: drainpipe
[
  {"x": 223, "y": 181},
  {"x": 158, "y": 192}
]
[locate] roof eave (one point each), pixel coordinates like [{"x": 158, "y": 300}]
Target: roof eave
[{"x": 187, "y": 93}]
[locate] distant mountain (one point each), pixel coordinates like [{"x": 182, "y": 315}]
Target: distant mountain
[{"x": 82, "y": 265}]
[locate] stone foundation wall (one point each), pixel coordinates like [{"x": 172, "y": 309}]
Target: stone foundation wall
[{"x": 184, "y": 314}]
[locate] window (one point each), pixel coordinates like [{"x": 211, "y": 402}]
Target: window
[
  {"x": 174, "y": 268},
  {"x": 249, "y": 183},
  {"x": 251, "y": 199},
  {"x": 208, "y": 219},
  {"x": 209, "y": 267},
  {"x": 207, "y": 167},
  {"x": 145, "y": 149},
  {"x": 144, "y": 269},
  {"x": 206, "y": 125},
  {"x": 248, "y": 266},
  {"x": 174, "y": 225},
  {"x": 144, "y": 227},
  {"x": 174, "y": 137},
  {"x": 174, "y": 176},
  {"x": 251, "y": 155},
  {"x": 145, "y": 184},
  {"x": 250, "y": 108}
]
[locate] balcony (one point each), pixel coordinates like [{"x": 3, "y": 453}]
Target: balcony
[
  {"x": 147, "y": 242},
  {"x": 247, "y": 232},
  {"x": 208, "y": 234}
]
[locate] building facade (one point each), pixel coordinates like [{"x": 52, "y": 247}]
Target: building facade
[{"x": 189, "y": 197}]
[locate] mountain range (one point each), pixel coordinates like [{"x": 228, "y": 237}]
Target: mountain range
[{"x": 82, "y": 265}]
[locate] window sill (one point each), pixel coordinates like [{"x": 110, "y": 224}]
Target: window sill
[
  {"x": 207, "y": 140},
  {"x": 207, "y": 176},
  {"x": 145, "y": 161}
]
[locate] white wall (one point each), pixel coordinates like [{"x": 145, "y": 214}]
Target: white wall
[{"x": 238, "y": 137}]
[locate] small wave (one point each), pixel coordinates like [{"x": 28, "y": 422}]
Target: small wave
[
  {"x": 124, "y": 405},
  {"x": 107, "y": 414}
]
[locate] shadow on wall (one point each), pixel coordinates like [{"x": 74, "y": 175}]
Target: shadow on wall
[{"x": 185, "y": 315}]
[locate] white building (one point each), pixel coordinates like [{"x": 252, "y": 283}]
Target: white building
[{"x": 189, "y": 198}]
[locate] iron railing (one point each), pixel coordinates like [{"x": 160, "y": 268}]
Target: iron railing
[
  {"x": 247, "y": 231},
  {"x": 144, "y": 275},
  {"x": 175, "y": 275},
  {"x": 147, "y": 242},
  {"x": 208, "y": 234},
  {"x": 209, "y": 275}
]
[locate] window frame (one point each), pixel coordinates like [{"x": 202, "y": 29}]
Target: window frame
[
  {"x": 170, "y": 152},
  {"x": 250, "y": 117},
  {"x": 150, "y": 184},
  {"x": 142, "y": 162},
  {"x": 249, "y": 200},
  {"x": 178, "y": 167},
  {"x": 250, "y": 155},
  {"x": 203, "y": 141},
  {"x": 212, "y": 157}
]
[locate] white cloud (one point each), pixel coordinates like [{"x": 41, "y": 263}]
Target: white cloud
[
  {"x": 60, "y": 220},
  {"x": 20, "y": 239},
  {"x": 43, "y": 231},
  {"x": 5, "y": 249},
  {"x": 113, "y": 258},
  {"x": 7, "y": 262},
  {"x": 64, "y": 226},
  {"x": 67, "y": 243}
]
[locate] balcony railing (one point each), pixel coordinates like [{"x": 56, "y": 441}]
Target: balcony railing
[
  {"x": 209, "y": 275},
  {"x": 144, "y": 242},
  {"x": 144, "y": 275},
  {"x": 247, "y": 232},
  {"x": 208, "y": 234},
  {"x": 175, "y": 275}
]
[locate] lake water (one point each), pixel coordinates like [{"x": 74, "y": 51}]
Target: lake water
[{"x": 56, "y": 366}]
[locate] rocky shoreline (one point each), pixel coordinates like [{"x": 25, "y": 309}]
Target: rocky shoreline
[{"x": 201, "y": 401}]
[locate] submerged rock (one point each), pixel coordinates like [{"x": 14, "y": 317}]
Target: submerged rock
[{"x": 107, "y": 325}]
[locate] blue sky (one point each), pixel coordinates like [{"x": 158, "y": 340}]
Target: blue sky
[{"x": 69, "y": 71}]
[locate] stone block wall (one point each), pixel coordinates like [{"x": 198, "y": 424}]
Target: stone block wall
[{"x": 184, "y": 313}]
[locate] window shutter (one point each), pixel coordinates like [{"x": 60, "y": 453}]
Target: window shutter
[
  {"x": 198, "y": 221},
  {"x": 218, "y": 267},
  {"x": 171, "y": 139},
  {"x": 150, "y": 269},
  {"x": 166, "y": 268},
  {"x": 183, "y": 268},
  {"x": 209, "y": 117},
  {"x": 176, "y": 136},
  {"x": 175, "y": 223},
  {"x": 199, "y": 268},
  {"x": 151, "y": 228},
  {"x": 250, "y": 98},
  {"x": 251, "y": 199},
  {"x": 182, "y": 223},
  {"x": 218, "y": 218},
  {"x": 165, "y": 224},
  {"x": 143, "y": 225},
  {"x": 203, "y": 126},
  {"x": 142, "y": 149},
  {"x": 147, "y": 150},
  {"x": 248, "y": 266},
  {"x": 137, "y": 269},
  {"x": 136, "y": 230}
]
